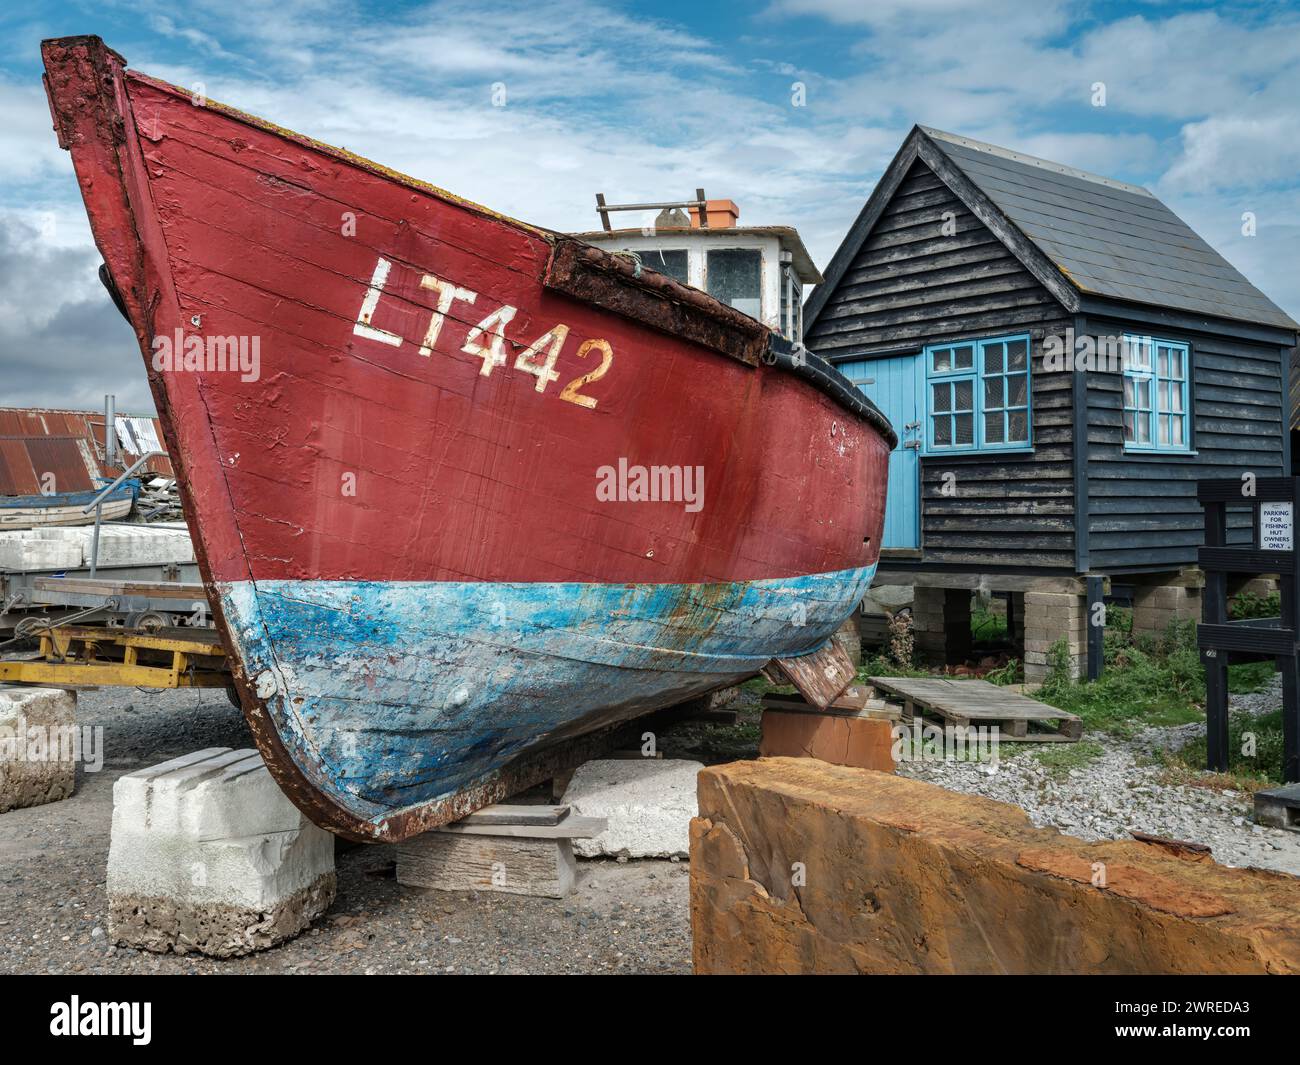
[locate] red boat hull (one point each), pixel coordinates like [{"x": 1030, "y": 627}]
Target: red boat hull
[{"x": 429, "y": 405}]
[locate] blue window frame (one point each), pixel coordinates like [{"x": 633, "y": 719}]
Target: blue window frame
[
  {"x": 978, "y": 395},
  {"x": 1156, "y": 375}
]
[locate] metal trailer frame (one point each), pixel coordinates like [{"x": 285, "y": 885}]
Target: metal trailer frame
[{"x": 76, "y": 655}]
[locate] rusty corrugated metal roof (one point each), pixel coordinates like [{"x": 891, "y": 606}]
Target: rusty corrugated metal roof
[{"x": 36, "y": 441}]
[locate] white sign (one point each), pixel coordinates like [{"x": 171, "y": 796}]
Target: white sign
[{"x": 1276, "y": 527}]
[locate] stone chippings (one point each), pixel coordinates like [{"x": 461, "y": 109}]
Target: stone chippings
[
  {"x": 800, "y": 866},
  {"x": 208, "y": 855},
  {"x": 1126, "y": 790},
  {"x": 32, "y": 781}
]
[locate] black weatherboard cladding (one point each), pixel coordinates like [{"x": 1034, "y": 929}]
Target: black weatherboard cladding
[{"x": 1027, "y": 246}]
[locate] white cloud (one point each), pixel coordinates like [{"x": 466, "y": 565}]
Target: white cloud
[{"x": 600, "y": 98}]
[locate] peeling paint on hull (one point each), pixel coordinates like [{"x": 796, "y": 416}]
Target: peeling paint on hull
[
  {"x": 402, "y": 694},
  {"x": 439, "y": 387}
]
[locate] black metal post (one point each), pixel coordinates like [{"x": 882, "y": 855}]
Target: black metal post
[
  {"x": 1290, "y": 668},
  {"x": 1096, "y": 626},
  {"x": 1216, "y": 710},
  {"x": 1214, "y": 611}
]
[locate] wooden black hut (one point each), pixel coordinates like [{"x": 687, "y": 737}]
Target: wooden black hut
[{"x": 1063, "y": 358}]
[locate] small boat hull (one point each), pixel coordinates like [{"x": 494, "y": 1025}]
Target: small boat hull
[
  {"x": 489, "y": 493},
  {"x": 66, "y": 508}
]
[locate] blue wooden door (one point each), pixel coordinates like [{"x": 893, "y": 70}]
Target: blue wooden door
[{"x": 896, "y": 387}]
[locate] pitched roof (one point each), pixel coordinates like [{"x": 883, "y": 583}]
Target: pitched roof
[{"x": 1102, "y": 237}]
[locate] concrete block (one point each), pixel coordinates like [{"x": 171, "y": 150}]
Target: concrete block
[
  {"x": 28, "y": 551},
  {"x": 142, "y": 545},
  {"x": 38, "y": 748},
  {"x": 839, "y": 738},
  {"x": 208, "y": 855},
  {"x": 648, "y": 803},
  {"x": 799, "y": 866}
]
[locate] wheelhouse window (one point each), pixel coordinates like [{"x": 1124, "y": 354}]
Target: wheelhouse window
[
  {"x": 672, "y": 263},
  {"x": 791, "y": 302},
  {"x": 978, "y": 395},
  {"x": 735, "y": 276},
  {"x": 1156, "y": 373}
]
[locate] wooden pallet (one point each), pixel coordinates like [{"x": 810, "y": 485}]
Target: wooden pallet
[{"x": 977, "y": 702}]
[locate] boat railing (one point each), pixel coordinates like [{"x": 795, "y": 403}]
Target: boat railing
[{"x": 97, "y": 504}]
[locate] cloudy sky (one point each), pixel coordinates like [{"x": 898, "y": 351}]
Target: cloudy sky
[{"x": 647, "y": 101}]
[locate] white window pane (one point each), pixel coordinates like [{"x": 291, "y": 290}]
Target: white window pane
[
  {"x": 963, "y": 395},
  {"x": 1176, "y": 363},
  {"x": 992, "y": 393},
  {"x": 993, "y": 428},
  {"x": 942, "y": 359},
  {"x": 964, "y": 430},
  {"x": 941, "y": 396},
  {"x": 1130, "y": 392},
  {"x": 994, "y": 357},
  {"x": 942, "y": 429},
  {"x": 1178, "y": 433},
  {"x": 1018, "y": 427},
  {"x": 1164, "y": 429},
  {"x": 1128, "y": 428},
  {"x": 1176, "y": 397},
  {"x": 1017, "y": 390},
  {"x": 672, "y": 263},
  {"x": 1164, "y": 395},
  {"x": 1017, "y": 355},
  {"x": 735, "y": 276},
  {"x": 1143, "y": 429},
  {"x": 1139, "y": 353},
  {"x": 1162, "y": 362},
  {"x": 1144, "y": 394}
]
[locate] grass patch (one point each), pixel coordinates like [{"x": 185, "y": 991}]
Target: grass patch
[
  {"x": 1145, "y": 681},
  {"x": 1254, "y": 755},
  {"x": 1248, "y": 605},
  {"x": 1246, "y": 677},
  {"x": 1060, "y": 758},
  {"x": 882, "y": 666},
  {"x": 986, "y": 627}
]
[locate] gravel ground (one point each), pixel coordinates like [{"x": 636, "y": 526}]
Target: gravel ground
[
  {"x": 1122, "y": 792},
  {"x": 625, "y": 916}
]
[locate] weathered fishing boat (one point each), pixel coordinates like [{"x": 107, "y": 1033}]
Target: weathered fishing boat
[
  {"x": 64, "y": 508},
  {"x": 466, "y": 492}
]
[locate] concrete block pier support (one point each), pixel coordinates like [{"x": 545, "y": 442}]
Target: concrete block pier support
[
  {"x": 38, "y": 746},
  {"x": 1050, "y": 617},
  {"x": 941, "y": 624},
  {"x": 208, "y": 855},
  {"x": 1159, "y": 601},
  {"x": 798, "y": 866}
]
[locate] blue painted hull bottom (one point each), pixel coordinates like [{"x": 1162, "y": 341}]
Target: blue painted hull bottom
[{"x": 390, "y": 696}]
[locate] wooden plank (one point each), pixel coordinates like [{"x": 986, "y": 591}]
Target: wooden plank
[
  {"x": 447, "y": 862},
  {"x": 156, "y": 589},
  {"x": 820, "y": 676},
  {"x": 572, "y": 827},
  {"x": 857, "y": 700},
  {"x": 516, "y": 814}
]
